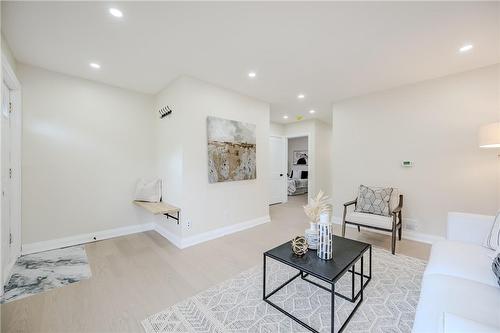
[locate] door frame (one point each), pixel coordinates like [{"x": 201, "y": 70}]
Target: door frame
[
  {"x": 284, "y": 193},
  {"x": 11, "y": 81},
  {"x": 310, "y": 160}
]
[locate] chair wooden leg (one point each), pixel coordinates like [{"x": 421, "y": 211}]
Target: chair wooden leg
[
  {"x": 359, "y": 229},
  {"x": 393, "y": 241},
  {"x": 400, "y": 225}
]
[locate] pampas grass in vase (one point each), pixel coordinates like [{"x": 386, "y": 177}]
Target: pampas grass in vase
[{"x": 316, "y": 207}]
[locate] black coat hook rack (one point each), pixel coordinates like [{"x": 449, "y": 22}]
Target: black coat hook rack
[{"x": 165, "y": 111}]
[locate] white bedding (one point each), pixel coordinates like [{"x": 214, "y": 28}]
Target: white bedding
[{"x": 297, "y": 186}]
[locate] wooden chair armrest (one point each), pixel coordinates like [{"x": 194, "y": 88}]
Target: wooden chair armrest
[
  {"x": 400, "y": 205},
  {"x": 352, "y": 202}
]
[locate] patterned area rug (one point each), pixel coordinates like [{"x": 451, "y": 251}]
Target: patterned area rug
[
  {"x": 236, "y": 305},
  {"x": 38, "y": 272}
]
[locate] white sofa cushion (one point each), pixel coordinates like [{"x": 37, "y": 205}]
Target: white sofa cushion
[
  {"x": 492, "y": 241},
  {"x": 463, "y": 260},
  {"x": 457, "y": 324},
  {"x": 372, "y": 220},
  {"x": 470, "y": 228},
  {"x": 466, "y": 298}
]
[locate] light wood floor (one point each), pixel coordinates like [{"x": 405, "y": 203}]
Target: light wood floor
[{"x": 138, "y": 275}]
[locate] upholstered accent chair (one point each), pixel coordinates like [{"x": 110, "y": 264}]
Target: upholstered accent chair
[{"x": 391, "y": 223}]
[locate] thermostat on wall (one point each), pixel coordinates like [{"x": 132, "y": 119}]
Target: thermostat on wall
[{"x": 407, "y": 164}]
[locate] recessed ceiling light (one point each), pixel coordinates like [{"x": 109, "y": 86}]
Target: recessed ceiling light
[
  {"x": 94, "y": 65},
  {"x": 252, "y": 74},
  {"x": 115, "y": 12},
  {"x": 285, "y": 117},
  {"x": 301, "y": 96},
  {"x": 312, "y": 111},
  {"x": 466, "y": 48}
]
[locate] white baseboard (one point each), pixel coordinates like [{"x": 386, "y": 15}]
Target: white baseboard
[
  {"x": 167, "y": 234},
  {"x": 84, "y": 238},
  {"x": 212, "y": 234},
  {"x": 407, "y": 234},
  {"x": 173, "y": 238},
  {"x": 183, "y": 243}
]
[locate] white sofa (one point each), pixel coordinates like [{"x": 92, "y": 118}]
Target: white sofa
[{"x": 459, "y": 290}]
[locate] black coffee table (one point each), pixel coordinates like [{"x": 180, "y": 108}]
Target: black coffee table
[{"x": 346, "y": 254}]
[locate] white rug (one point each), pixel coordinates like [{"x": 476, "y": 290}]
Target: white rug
[
  {"x": 236, "y": 305},
  {"x": 38, "y": 272}
]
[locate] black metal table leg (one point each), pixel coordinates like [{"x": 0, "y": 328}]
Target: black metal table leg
[
  {"x": 264, "y": 281},
  {"x": 332, "y": 291},
  {"x": 332, "y": 315},
  {"x": 352, "y": 282}
]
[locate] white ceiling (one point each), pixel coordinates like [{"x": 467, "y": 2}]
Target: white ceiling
[{"x": 328, "y": 51}]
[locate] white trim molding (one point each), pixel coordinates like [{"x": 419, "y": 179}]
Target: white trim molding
[
  {"x": 220, "y": 232},
  {"x": 184, "y": 242},
  {"x": 168, "y": 235},
  {"x": 84, "y": 238},
  {"x": 407, "y": 234},
  {"x": 177, "y": 240},
  {"x": 12, "y": 82}
]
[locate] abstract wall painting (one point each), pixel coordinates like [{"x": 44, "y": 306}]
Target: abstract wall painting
[
  {"x": 231, "y": 150},
  {"x": 300, "y": 157}
]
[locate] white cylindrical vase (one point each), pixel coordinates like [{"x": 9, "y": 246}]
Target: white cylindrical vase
[
  {"x": 311, "y": 236},
  {"x": 324, "y": 218},
  {"x": 325, "y": 242}
]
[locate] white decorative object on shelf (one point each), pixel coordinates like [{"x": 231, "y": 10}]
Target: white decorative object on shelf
[
  {"x": 311, "y": 235},
  {"x": 325, "y": 243},
  {"x": 148, "y": 190}
]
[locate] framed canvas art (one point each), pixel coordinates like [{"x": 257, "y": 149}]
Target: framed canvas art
[
  {"x": 300, "y": 157},
  {"x": 231, "y": 150}
]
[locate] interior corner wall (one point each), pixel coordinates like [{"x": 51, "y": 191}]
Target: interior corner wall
[
  {"x": 7, "y": 53},
  {"x": 206, "y": 207},
  {"x": 435, "y": 125},
  {"x": 85, "y": 145}
]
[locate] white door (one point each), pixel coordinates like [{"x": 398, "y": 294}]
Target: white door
[
  {"x": 278, "y": 173},
  {"x": 6, "y": 170}
]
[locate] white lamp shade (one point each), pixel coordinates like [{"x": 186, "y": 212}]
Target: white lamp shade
[{"x": 489, "y": 136}]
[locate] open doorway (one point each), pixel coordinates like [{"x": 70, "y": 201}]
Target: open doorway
[{"x": 298, "y": 168}]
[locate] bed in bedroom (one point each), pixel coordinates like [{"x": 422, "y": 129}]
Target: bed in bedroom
[{"x": 298, "y": 180}]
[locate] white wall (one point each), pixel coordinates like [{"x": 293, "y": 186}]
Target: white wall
[
  {"x": 276, "y": 129},
  {"x": 295, "y": 144},
  {"x": 434, "y": 124},
  {"x": 182, "y": 152},
  {"x": 7, "y": 53},
  {"x": 323, "y": 161},
  {"x": 85, "y": 145}
]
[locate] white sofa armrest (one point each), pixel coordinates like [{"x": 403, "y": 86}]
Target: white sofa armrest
[
  {"x": 456, "y": 324},
  {"x": 469, "y": 228}
]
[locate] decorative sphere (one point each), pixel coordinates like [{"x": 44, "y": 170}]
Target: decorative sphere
[{"x": 299, "y": 245}]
